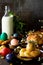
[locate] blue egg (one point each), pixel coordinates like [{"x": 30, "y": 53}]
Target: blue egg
[
  {"x": 16, "y": 35},
  {"x": 4, "y": 36},
  {"x": 9, "y": 57}
]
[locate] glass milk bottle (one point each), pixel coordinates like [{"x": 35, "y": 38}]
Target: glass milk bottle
[{"x": 7, "y": 22}]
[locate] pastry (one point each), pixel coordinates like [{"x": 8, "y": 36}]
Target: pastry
[
  {"x": 27, "y": 54},
  {"x": 1, "y": 42},
  {"x": 21, "y": 53},
  {"x": 5, "y": 42},
  {"x": 35, "y": 53},
  {"x": 32, "y": 37},
  {"x": 30, "y": 47},
  {"x": 37, "y": 37}
]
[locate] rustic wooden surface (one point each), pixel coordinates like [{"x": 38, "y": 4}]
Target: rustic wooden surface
[{"x": 4, "y": 62}]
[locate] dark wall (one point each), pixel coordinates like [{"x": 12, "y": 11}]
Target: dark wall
[
  {"x": 34, "y": 6},
  {"x": 29, "y": 10}
]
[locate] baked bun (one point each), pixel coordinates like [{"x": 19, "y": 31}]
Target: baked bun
[
  {"x": 35, "y": 53},
  {"x": 27, "y": 54},
  {"x": 32, "y": 37},
  {"x": 21, "y": 52},
  {"x": 30, "y": 47},
  {"x": 30, "y": 53},
  {"x": 24, "y": 53},
  {"x": 37, "y": 37}
]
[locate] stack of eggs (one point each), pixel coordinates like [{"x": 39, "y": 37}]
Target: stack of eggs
[
  {"x": 5, "y": 52},
  {"x": 4, "y": 40}
]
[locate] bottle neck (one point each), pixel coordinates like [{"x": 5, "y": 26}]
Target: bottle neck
[{"x": 7, "y": 10}]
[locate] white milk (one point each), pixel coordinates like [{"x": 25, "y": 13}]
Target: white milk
[{"x": 7, "y": 25}]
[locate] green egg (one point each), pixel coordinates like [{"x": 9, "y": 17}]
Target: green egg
[
  {"x": 0, "y": 37},
  {"x": 4, "y": 36}
]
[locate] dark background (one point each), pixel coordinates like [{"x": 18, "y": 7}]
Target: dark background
[{"x": 31, "y": 11}]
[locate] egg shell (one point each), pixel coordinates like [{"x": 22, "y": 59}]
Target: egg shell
[
  {"x": 15, "y": 35},
  {"x": 9, "y": 57},
  {"x": 4, "y": 36},
  {"x": 2, "y": 46},
  {"x": 14, "y": 42},
  {"x": 4, "y": 51},
  {"x": 0, "y": 36}
]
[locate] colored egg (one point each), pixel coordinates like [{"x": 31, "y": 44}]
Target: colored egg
[
  {"x": 9, "y": 57},
  {"x": 0, "y": 36},
  {"x": 16, "y": 35},
  {"x": 4, "y": 51},
  {"x": 2, "y": 46},
  {"x": 4, "y": 36},
  {"x": 14, "y": 42}
]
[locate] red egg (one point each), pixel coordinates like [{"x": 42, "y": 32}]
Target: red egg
[
  {"x": 14, "y": 42},
  {"x": 5, "y": 51}
]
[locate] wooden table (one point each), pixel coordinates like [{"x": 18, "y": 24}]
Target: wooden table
[{"x": 4, "y": 62}]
